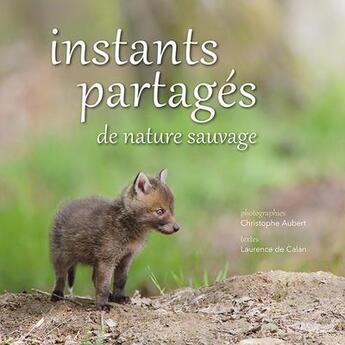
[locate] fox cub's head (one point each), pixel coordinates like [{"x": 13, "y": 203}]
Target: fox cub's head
[{"x": 153, "y": 202}]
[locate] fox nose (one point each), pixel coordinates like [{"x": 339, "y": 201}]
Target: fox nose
[{"x": 176, "y": 227}]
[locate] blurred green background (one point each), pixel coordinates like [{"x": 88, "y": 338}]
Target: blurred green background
[{"x": 298, "y": 164}]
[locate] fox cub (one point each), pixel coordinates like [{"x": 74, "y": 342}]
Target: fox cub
[{"x": 107, "y": 233}]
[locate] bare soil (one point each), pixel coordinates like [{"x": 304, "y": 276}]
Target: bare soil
[{"x": 295, "y": 308}]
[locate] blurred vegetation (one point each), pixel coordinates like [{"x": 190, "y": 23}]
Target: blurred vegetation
[{"x": 207, "y": 181}]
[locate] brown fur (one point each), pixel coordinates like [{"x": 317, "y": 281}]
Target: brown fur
[{"x": 107, "y": 233}]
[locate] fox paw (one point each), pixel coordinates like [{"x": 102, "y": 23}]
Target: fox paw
[
  {"x": 56, "y": 296},
  {"x": 121, "y": 299},
  {"x": 106, "y": 307}
]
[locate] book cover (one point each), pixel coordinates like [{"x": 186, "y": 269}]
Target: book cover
[{"x": 179, "y": 164}]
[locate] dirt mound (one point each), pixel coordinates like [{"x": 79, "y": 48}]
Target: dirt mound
[{"x": 283, "y": 308}]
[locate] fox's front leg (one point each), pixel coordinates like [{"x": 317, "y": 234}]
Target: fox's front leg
[
  {"x": 102, "y": 278},
  {"x": 120, "y": 278}
]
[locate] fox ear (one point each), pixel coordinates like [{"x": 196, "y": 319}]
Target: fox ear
[
  {"x": 163, "y": 175},
  {"x": 142, "y": 184}
]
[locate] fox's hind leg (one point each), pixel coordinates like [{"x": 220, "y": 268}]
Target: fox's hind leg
[{"x": 60, "y": 279}]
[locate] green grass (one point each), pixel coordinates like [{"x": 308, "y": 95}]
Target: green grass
[
  {"x": 208, "y": 182},
  {"x": 100, "y": 335},
  {"x": 155, "y": 280}
]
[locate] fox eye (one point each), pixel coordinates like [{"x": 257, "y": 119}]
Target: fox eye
[{"x": 160, "y": 211}]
